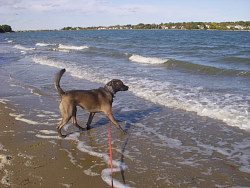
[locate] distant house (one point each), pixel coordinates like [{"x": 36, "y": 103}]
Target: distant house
[
  {"x": 182, "y": 27},
  {"x": 239, "y": 27},
  {"x": 164, "y": 27},
  {"x": 230, "y": 27}
]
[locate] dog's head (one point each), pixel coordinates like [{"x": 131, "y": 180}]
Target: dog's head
[{"x": 116, "y": 85}]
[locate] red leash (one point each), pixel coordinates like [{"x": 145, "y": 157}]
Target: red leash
[{"x": 110, "y": 154}]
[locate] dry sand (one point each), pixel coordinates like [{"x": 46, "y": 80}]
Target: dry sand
[{"x": 27, "y": 161}]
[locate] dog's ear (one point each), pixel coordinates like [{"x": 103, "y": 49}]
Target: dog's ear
[
  {"x": 112, "y": 82},
  {"x": 109, "y": 83}
]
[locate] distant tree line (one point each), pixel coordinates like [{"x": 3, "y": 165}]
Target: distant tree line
[
  {"x": 5, "y": 29},
  {"x": 241, "y": 25}
]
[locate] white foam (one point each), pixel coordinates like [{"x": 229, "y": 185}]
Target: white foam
[
  {"x": 41, "y": 115},
  {"x": 107, "y": 178},
  {"x": 44, "y": 44},
  {"x": 19, "y": 117},
  {"x": 20, "y": 47},
  {"x": 83, "y": 73},
  {"x": 4, "y": 101},
  {"x": 89, "y": 172},
  {"x": 237, "y": 152},
  {"x": 66, "y": 185},
  {"x": 169, "y": 142},
  {"x": 49, "y": 62},
  {"x": 191, "y": 99},
  {"x": 61, "y": 50},
  {"x": 147, "y": 60},
  {"x": 3, "y": 161},
  {"x": 2, "y": 148},
  {"x": 47, "y": 132},
  {"x": 106, "y": 172},
  {"x": 47, "y": 136},
  {"x": 61, "y": 46},
  {"x": 35, "y": 91},
  {"x": 46, "y": 112}
]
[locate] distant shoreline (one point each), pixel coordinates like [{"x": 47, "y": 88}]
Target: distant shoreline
[
  {"x": 128, "y": 30},
  {"x": 203, "y": 26}
]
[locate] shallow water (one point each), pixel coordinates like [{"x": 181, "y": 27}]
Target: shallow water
[{"x": 187, "y": 109}]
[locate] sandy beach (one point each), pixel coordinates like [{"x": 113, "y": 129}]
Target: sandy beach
[{"x": 29, "y": 162}]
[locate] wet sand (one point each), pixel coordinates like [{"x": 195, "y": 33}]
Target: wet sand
[{"x": 27, "y": 161}]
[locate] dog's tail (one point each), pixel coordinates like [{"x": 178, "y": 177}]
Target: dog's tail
[{"x": 57, "y": 81}]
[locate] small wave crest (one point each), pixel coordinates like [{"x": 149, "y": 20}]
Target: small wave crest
[
  {"x": 204, "y": 69},
  {"x": 147, "y": 60},
  {"x": 187, "y": 66},
  {"x": 20, "y": 47},
  {"x": 45, "y": 44},
  {"x": 61, "y": 47},
  {"x": 68, "y": 47},
  {"x": 60, "y": 50}
]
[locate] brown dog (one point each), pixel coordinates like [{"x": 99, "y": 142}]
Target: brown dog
[{"x": 95, "y": 100}]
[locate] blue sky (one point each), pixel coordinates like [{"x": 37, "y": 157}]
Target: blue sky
[{"x": 56, "y": 14}]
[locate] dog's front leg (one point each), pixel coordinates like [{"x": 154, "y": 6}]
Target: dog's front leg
[{"x": 112, "y": 119}]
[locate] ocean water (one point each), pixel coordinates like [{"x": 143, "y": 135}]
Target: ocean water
[{"x": 186, "y": 111}]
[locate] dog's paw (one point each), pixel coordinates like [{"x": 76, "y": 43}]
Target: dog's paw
[
  {"x": 124, "y": 132},
  {"x": 62, "y": 136}
]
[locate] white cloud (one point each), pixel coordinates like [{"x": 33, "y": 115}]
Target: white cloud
[
  {"x": 131, "y": 9},
  {"x": 83, "y": 6}
]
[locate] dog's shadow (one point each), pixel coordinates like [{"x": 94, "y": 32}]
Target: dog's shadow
[{"x": 130, "y": 117}]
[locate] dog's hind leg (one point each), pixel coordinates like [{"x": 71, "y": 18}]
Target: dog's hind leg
[
  {"x": 91, "y": 116},
  {"x": 66, "y": 112},
  {"x": 64, "y": 121},
  {"x": 74, "y": 121}
]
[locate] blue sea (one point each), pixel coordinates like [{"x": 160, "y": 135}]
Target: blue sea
[{"x": 186, "y": 111}]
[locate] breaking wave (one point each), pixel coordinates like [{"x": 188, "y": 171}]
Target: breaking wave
[
  {"x": 20, "y": 47},
  {"x": 68, "y": 47},
  {"x": 45, "y": 44},
  {"x": 147, "y": 60},
  {"x": 187, "y": 66}
]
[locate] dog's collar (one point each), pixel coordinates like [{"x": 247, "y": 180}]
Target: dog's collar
[{"x": 109, "y": 89}]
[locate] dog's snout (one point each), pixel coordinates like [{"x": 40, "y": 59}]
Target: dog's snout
[{"x": 126, "y": 87}]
